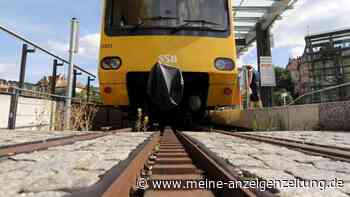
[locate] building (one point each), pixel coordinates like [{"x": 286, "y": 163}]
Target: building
[
  {"x": 61, "y": 86},
  {"x": 325, "y": 63},
  {"x": 7, "y": 86},
  {"x": 299, "y": 71},
  {"x": 328, "y": 56},
  {"x": 43, "y": 85}
]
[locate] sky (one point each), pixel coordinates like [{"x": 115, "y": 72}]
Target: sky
[{"x": 48, "y": 24}]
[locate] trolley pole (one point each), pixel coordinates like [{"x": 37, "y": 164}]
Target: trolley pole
[{"x": 73, "y": 49}]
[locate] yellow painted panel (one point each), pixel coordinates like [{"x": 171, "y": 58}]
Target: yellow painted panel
[
  {"x": 140, "y": 53},
  {"x": 226, "y": 117},
  {"x": 119, "y": 95},
  {"x": 223, "y": 79},
  {"x": 216, "y": 96},
  {"x": 218, "y": 82},
  {"x": 192, "y": 54}
]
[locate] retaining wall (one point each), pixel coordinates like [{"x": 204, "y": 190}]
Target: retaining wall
[
  {"x": 4, "y": 109},
  {"x": 326, "y": 116},
  {"x": 32, "y": 113},
  {"x": 39, "y": 114}
]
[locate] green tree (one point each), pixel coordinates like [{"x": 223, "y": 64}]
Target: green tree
[{"x": 284, "y": 84}]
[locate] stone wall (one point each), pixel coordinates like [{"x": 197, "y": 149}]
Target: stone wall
[{"x": 335, "y": 116}]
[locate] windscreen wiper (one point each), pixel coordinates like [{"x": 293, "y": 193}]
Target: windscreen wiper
[
  {"x": 154, "y": 18},
  {"x": 160, "y": 18},
  {"x": 202, "y": 22}
]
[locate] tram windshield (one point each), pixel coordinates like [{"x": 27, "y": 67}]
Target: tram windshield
[{"x": 178, "y": 15}]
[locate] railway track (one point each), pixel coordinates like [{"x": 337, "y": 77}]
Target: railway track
[
  {"x": 173, "y": 165},
  {"x": 172, "y": 162},
  {"x": 336, "y": 153},
  {"x": 53, "y": 142}
]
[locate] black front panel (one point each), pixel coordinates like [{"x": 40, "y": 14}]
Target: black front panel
[{"x": 196, "y": 84}]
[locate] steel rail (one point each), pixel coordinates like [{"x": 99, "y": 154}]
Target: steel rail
[
  {"x": 29, "y": 147},
  {"x": 216, "y": 169},
  {"x": 120, "y": 179},
  {"x": 299, "y": 141},
  {"x": 22, "y": 38},
  {"x": 123, "y": 185},
  {"x": 172, "y": 159},
  {"x": 176, "y": 158},
  {"x": 333, "y": 153}
]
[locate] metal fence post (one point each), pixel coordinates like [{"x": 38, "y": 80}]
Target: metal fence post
[
  {"x": 76, "y": 73},
  {"x": 16, "y": 92},
  {"x": 53, "y": 92},
  {"x": 54, "y": 75},
  {"x": 13, "y": 109},
  {"x": 246, "y": 86},
  {"x": 88, "y": 88}
]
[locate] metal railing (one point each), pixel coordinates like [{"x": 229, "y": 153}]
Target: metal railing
[
  {"x": 30, "y": 47},
  {"x": 44, "y": 95},
  {"x": 36, "y": 46},
  {"x": 30, "y": 99},
  {"x": 321, "y": 91}
]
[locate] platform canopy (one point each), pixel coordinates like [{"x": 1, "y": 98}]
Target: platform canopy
[{"x": 247, "y": 13}]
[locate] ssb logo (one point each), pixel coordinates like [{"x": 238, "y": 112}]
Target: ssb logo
[{"x": 168, "y": 59}]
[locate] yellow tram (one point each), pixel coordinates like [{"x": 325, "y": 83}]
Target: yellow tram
[{"x": 195, "y": 37}]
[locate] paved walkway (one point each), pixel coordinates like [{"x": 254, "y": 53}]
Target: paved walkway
[
  {"x": 56, "y": 171},
  {"x": 11, "y": 137},
  {"x": 269, "y": 162},
  {"x": 338, "y": 139}
]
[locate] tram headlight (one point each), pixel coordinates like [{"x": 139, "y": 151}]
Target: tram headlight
[
  {"x": 224, "y": 64},
  {"x": 111, "y": 63}
]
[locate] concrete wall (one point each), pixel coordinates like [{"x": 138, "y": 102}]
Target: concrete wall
[
  {"x": 5, "y": 109},
  {"x": 31, "y": 112},
  {"x": 304, "y": 117},
  {"x": 324, "y": 116},
  {"x": 39, "y": 114}
]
